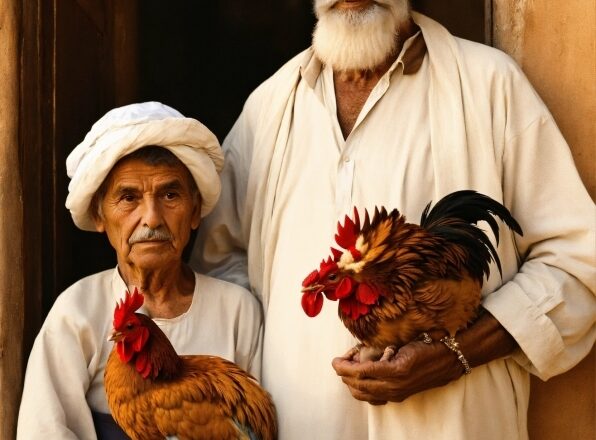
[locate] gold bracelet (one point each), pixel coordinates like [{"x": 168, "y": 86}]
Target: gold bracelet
[{"x": 453, "y": 345}]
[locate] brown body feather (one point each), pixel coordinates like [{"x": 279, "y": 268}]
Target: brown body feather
[
  {"x": 424, "y": 282},
  {"x": 192, "y": 397}
]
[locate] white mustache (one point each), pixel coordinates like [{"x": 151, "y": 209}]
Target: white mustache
[
  {"x": 147, "y": 234},
  {"x": 322, "y": 6}
]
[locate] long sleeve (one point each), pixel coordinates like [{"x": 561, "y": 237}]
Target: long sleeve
[
  {"x": 222, "y": 241},
  {"x": 53, "y": 404},
  {"x": 549, "y": 306}
]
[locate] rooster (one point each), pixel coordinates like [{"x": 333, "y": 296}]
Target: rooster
[
  {"x": 397, "y": 281},
  {"x": 153, "y": 393}
]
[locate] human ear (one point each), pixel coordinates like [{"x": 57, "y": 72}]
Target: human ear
[
  {"x": 99, "y": 223},
  {"x": 196, "y": 214}
]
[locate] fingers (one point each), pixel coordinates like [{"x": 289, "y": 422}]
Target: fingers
[
  {"x": 364, "y": 390},
  {"x": 377, "y": 382},
  {"x": 377, "y": 402},
  {"x": 344, "y": 366},
  {"x": 369, "y": 369},
  {"x": 368, "y": 381},
  {"x": 350, "y": 368},
  {"x": 373, "y": 391}
]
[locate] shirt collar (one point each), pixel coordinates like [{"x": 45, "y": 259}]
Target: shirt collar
[
  {"x": 410, "y": 58},
  {"x": 413, "y": 53}
]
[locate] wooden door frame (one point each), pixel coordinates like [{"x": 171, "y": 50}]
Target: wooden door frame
[
  {"x": 11, "y": 226},
  {"x": 37, "y": 161}
]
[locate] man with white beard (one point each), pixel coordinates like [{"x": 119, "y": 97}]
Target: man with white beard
[{"x": 388, "y": 109}]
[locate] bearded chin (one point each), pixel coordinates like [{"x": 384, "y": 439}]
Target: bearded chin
[{"x": 359, "y": 40}]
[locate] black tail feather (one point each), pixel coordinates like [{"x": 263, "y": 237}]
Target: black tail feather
[{"x": 455, "y": 217}]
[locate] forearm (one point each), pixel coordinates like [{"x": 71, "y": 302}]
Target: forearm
[{"x": 485, "y": 341}]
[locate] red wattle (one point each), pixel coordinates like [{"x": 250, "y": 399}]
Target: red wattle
[
  {"x": 142, "y": 364},
  {"x": 124, "y": 351},
  {"x": 312, "y": 303}
]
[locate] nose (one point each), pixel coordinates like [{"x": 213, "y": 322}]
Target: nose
[{"x": 152, "y": 215}]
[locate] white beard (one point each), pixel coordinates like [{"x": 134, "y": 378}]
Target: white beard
[{"x": 358, "y": 40}]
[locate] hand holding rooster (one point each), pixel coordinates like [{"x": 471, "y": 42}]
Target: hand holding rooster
[{"x": 418, "y": 366}]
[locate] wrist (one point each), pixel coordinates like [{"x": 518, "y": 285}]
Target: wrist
[
  {"x": 453, "y": 346},
  {"x": 485, "y": 341}
]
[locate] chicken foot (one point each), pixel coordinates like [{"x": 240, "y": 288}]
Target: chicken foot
[{"x": 362, "y": 353}]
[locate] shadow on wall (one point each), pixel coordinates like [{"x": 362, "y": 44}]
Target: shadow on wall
[{"x": 204, "y": 58}]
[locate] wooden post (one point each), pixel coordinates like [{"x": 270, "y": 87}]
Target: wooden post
[
  {"x": 11, "y": 223},
  {"x": 554, "y": 44}
]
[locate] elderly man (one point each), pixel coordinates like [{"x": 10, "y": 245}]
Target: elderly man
[
  {"x": 388, "y": 109},
  {"x": 144, "y": 175}
]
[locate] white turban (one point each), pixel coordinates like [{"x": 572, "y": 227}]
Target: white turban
[{"x": 126, "y": 129}]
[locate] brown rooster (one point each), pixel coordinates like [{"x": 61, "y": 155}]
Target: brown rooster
[
  {"x": 153, "y": 393},
  {"x": 395, "y": 280}
]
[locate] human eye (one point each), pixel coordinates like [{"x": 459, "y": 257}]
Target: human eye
[
  {"x": 171, "y": 195},
  {"x": 127, "y": 197}
]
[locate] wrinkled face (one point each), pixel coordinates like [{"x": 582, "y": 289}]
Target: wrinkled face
[{"x": 148, "y": 212}]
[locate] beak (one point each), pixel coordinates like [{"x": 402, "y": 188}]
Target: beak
[
  {"x": 115, "y": 336},
  {"x": 312, "y": 287}
]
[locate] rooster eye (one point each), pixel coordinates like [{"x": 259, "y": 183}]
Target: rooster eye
[
  {"x": 129, "y": 326},
  {"x": 332, "y": 277}
]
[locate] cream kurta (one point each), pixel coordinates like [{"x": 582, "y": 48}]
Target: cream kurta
[
  {"x": 64, "y": 379},
  {"x": 467, "y": 119}
]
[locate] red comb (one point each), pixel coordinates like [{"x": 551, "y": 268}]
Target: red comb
[
  {"x": 336, "y": 254},
  {"x": 348, "y": 233},
  {"x": 326, "y": 267},
  {"x": 127, "y": 307}
]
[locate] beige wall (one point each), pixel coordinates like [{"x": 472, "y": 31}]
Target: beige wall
[
  {"x": 554, "y": 42},
  {"x": 11, "y": 207}
]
